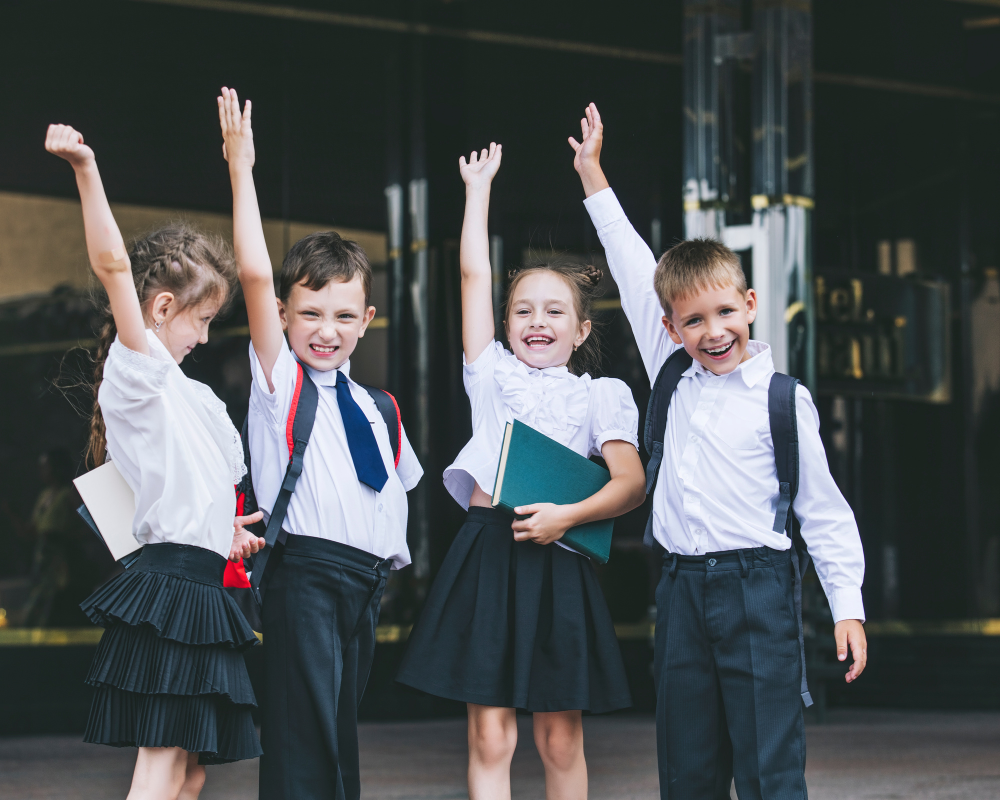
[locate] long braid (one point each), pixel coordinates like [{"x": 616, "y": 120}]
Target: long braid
[
  {"x": 97, "y": 443},
  {"x": 179, "y": 259}
]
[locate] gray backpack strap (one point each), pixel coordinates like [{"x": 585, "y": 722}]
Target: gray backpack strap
[
  {"x": 656, "y": 424},
  {"x": 785, "y": 435}
]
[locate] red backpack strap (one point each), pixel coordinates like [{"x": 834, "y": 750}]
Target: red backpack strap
[{"x": 389, "y": 409}]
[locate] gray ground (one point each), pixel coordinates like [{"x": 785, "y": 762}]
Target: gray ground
[{"x": 857, "y": 755}]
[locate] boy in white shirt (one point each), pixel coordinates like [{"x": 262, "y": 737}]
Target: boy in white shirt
[
  {"x": 346, "y": 521},
  {"x": 727, "y": 663}
]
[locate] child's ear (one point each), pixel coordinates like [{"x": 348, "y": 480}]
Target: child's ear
[
  {"x": 160, "y": 307},
  {"x": 675, "y": 337},
  {"x": 282, "y": 314},
  {"x": 585, "y": 327},
  {"x": 751, "y": 306},
  {"x": 366, "y": 320}
]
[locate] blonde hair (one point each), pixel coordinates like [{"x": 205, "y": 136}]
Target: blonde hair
[{"x": 694, "y": 266}]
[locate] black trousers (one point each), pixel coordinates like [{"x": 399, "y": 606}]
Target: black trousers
[
  {"x": 320, "y": 611},
  {"x": 727, "y": 667}
]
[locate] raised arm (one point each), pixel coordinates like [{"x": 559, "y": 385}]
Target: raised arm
[
  {"x": 256, "y": 275},
  {"x": 474, "y": 254},
  {"x": 631, "y": 261},
  {"x": 105, "y": 247}
]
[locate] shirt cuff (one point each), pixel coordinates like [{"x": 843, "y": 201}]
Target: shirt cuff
[
  {"x": 615, "y": 436},
  {"x": 847, "y": 604},
  {"x": 604, "y": 208}
]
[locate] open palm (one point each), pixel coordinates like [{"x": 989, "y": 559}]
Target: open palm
[
  {"x": 588, "y": 151},
  {"x": 237, "y": 132},
  {"x": 479, "y": 171}
]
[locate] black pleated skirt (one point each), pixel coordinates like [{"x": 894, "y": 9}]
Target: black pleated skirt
[
  {"x": 516, "y": 625},
  {"x": 169, "y": 670}
]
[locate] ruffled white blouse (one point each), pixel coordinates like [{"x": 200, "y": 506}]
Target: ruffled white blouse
[
  {"x": 578, "y": 411},
  {"x": 176, "y": 447}
]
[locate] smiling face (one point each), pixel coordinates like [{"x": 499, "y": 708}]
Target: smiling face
[
  {"x": 182, "y": 330},
  {"x": 324, "y": 325},
  {"x": 543, "y": 326},
  {"x": 714, "y": 326}
]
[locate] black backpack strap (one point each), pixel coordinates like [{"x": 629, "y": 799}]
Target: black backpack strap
[
  {"x": 785, "y": 435},
  {"x": 389, "y": 409},
  {"x": 301, "y": 417},
  {"x": 656, "y": 423}
]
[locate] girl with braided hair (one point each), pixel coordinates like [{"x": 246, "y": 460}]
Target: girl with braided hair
[
  {"x": 169, "y": 675},
  {"x": 516, "y": 619}
]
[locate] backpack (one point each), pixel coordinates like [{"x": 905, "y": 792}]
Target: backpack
[
  {"x": 785, "y": 436},
  {"x": 243, "y": 580}
]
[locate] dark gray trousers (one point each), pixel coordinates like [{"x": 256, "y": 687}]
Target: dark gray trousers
[
  {"x": 727, "y": 668},
  {"x": 320, "y": 611}
]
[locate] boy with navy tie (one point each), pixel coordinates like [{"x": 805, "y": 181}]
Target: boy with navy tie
[
  {"x": 345, "y": 525},
  {"x": 728, "y": 662}
]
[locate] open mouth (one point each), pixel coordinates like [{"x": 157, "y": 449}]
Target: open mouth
[
  {"x": 536, "y": 342},
  {"x": 719, "y": 353},
  {"x": 324, "y": 351}
]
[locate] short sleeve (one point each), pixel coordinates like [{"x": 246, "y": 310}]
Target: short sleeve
[
  {"x": 615, "y": 416},
  {"x": 273, "y": 405},
  {"x": 408, "y": 469},
  {"x": 483, "y": 366},
  {"x": 132, "y": 375}
]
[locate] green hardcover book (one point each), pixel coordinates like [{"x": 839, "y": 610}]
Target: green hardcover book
[{"x": 535, "y": 469}]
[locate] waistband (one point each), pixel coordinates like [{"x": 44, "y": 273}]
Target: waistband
[
  {"x": 489, "y": 516},
  {"x": 748, "y": 558},
  {"x": 336, "y": 552},
  {"x": 181, "y": 560}
]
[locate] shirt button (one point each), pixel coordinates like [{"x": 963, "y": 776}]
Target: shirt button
[
  {"x": 693, "y": 439},
  {"x": 711, "y": 562},
  {"x": 379, "y": 506}
]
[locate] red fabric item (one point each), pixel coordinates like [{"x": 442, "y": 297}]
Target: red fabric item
[
  {"x": 290, "y": 425},
  {"x": 235, "y": 576},
  {"x": 399, "y": 430}
]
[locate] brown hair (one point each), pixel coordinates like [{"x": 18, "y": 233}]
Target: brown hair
[
  {"x": 319, "y": 258},
  {"x": 582, "y": 281},
  {"x": 693, "y": 266},
  {"x": 193, "y": 266}
]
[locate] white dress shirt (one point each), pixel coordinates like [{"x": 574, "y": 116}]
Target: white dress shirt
[
  {"x": 176, "y": 447},
  {"x": 577, "y": 411},
  {"x": 329, "y": 501},
  {"x": 718, "y": 485}
]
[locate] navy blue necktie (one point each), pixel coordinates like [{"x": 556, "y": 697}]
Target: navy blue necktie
[{"x": 360, "y": 438}]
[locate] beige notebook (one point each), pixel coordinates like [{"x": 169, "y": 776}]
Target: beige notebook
[{"x": 111, "y": 503}]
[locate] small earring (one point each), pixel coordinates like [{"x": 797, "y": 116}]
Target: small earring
[{"x": 158, "y": 324}]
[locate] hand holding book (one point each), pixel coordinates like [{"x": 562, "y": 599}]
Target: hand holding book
[{"x": 544, "y": 523}]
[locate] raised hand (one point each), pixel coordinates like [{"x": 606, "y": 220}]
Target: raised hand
[
  {"x": 245, "y": 542},
  {"x": 478, "y": 172},
  {"x": 587, "y": 161},
  {"x": 237, "y": 133},
  {"x": 67, "y": 143}
]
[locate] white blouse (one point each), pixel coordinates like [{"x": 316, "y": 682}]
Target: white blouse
[
  {"x": 578, "y": 411},
  {"x": 174, "y": 444}
]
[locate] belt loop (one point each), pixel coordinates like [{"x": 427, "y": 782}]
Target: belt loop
[
  {"x": 744, "y": 569},
  {"x": 673, "y": 565}
]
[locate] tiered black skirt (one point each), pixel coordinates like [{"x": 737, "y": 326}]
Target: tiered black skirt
[
  {"x": 516, "y": 625},
  {"x": 169, "y": 670}
]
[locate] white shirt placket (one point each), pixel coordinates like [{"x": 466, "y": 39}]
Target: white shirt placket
[{"x": 692, "y": 453}]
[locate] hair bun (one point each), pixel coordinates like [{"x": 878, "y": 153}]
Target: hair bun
[{"x": 592, "y": 274}]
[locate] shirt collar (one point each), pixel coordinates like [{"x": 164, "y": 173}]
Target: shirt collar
[
  {"x": 327, "y": 377},
  {"x": 752, "y": 370}
]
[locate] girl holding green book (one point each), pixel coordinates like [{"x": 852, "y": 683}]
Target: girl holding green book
[{"x": 515, "y": 619}]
